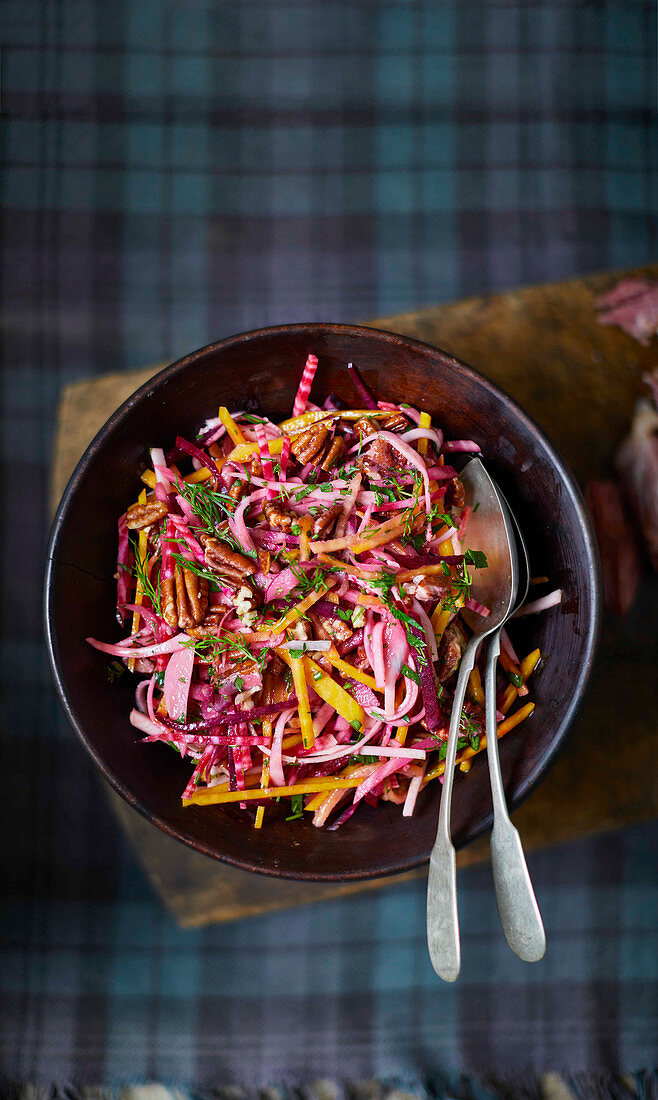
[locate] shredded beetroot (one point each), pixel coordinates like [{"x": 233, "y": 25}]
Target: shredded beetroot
[
  {"x": 333, "y": 550},
  {"x": 201, "y": 456},
  {"x": 363, "y": 391}
]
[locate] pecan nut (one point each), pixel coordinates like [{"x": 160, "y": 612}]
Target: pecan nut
[
  {"x": 184, "y": 598},
  {"x": 394, "y": 422},
  {"x": 310, "y": 444},
  {"x": 209, "y": 626},
  {"x": 238, "y": 489},
  {"x": 227, "y": 563},
  {"x": 140, "y": 516},
  {"x": 366, "y": 426},
  {"x": 277, "y": 515},
  {"x": 455, "y": 494},
  {"x": 335, "y": 452},
  {"x": 381, "y": 455},
  {"x": 323, "y": 523}
]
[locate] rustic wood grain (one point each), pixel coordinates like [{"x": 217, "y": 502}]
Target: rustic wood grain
[{"x": 579, "y": 381}]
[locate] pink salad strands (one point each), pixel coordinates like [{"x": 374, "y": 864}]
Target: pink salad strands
[
  {"x": 542, "y": 604},
  {"x": 205, "y": 688},
  {"x": 177, "y": 679},
  {"x": 363, "y": 391},
  {"x": 265, "y": 458}
]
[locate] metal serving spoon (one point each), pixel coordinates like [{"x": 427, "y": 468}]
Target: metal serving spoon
[
  {"x": 517, "y": 904},
  {"x": 497, "y": 587}
]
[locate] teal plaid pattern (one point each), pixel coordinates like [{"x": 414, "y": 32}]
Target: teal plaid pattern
[{"x": 179, "y": 170}]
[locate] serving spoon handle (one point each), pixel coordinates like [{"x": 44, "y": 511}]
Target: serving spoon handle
[
  {"x": 517, "y": 904},
  {"x": 442, "y": 915}
]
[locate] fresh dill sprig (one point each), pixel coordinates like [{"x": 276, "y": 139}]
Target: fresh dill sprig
[
  {"x": 144, "y": 582},
  {"x": 198, "y": 570},
  {"x": 210, "y": 506}
]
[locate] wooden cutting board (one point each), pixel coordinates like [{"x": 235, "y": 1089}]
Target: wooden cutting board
[{"x": 579, "y": 381}]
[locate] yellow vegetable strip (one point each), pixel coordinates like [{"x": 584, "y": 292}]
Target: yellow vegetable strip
[
  {"x": 232, "y": 428},
  {"x": 475, "y": 684},
  {"x": 528, "y": 666},
  {"x": 199, "y": 475},
  {"x": 508, "y": 698},
  {"x": 297, "y": 424},
  {"x": 265, "y": 772},
  {"x": 529, "y": 663},
  {"x": 380, "y": 537},
  {"x": 305, "y": 524},
  {"x": 336, "y": 563},
  {"x": 244, "y": 451},
  {"x": 347, "y": 773},
  {"x": 352, "y": 540},
  {"x": 442, "y": 617},
  {"x": 503, "y": 728},
  {"x": 424, "y": 422},
  {"x": 350, "y": 670},
  {"x": 148, "y": 477},
  {"x": 139, "y": 594},
  {"x": 210, "y": 796},
  {"x": 425, "y": 570},
  {"x": 365, "y": 600},
  {"x": 301, "y": 691},
  {"x": 301, "y": 608},
  {"x": 332, "y": 693},
  {"x": 516, "y": 718}
]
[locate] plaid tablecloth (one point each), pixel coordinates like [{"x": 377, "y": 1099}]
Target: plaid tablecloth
[{"x": 180, "y": 171}]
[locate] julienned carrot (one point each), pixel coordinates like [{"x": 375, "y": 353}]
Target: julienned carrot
[
  {"x": 516, "y": 718},
  {"x": 529, "y": 663},
  {"x": 527, "y": 667},
  {"x": 350, "y": 541},
  {"x": 503, "y": 728},
  {"x": 211, "y": 796},
  {"x": 344, "y": 567},
  {"x": 511, "y": 693},
  {"x": 513, "y": 671}
]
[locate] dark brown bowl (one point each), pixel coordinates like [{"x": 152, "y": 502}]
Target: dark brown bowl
[{"x": 261, "y": 370}]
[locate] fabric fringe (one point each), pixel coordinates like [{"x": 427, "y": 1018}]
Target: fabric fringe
[{"x": 639, "y": 1085}]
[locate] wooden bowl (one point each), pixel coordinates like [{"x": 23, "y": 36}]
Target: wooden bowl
[{"x": 261, "y": 370}]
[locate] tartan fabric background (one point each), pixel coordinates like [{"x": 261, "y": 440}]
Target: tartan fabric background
[{"x": 177, "y": 172}]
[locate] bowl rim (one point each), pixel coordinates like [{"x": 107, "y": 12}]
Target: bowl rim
[{"x": 147, "y": 389}]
